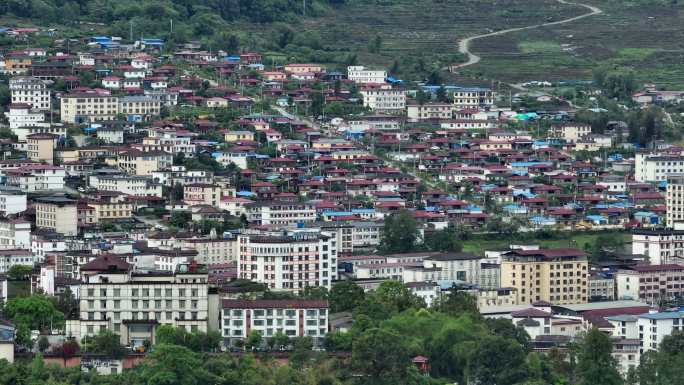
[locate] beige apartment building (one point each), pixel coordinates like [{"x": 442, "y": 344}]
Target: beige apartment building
[
  {"x": 136, "y": 162},
  {"x": 132, "y": 303},
  {"x": 558, "y": 276},
  {"x": 201, "y": 194},
  {"x": 41, "y": 147},
  {"x": 58, "y": 214},
  {"x": 111, "y": 206},
  {"x": 79, "y": 108}
]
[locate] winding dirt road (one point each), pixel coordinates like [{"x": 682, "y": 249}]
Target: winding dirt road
[{"x": 464, "y": 45}]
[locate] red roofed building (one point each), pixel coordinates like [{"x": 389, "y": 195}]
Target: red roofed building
[{"x": 650, "y": 283}]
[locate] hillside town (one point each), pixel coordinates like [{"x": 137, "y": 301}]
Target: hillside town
[{"x": 217, "y": 192}]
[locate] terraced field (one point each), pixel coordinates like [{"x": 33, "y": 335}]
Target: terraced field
[{"x": 644, "y": 35}]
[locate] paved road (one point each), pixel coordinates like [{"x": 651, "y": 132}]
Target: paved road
[
  {"x": 151, "y": 222},
  {"x": 282, "y": 111},
  {"x": 464, "y": 45}
]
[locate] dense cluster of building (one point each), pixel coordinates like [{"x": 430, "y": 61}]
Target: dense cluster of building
[{"x": 150, "y": 218}]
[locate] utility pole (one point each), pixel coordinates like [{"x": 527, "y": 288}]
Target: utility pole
[
  {"x": 131, "y": 30},
  {"x": 304, "y": 8}
]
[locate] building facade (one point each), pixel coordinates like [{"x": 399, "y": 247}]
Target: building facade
[
  {"x": 132, "y": 304},
  {"x": 558, "y": 276},
  {"x": 293, "y": 318},
  {"x": 290, "y": 261}
]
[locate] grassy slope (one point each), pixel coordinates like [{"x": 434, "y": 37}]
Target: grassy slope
[
  {"x": 427, "y": 29},
  {"x": 644, "y": 35},
  {"x": 478, "y": 246}
]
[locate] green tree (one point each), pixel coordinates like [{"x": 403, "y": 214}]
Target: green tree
[
  {"x": 666, "y": 365},
  {"x": 43, "y": 344},
  {"x": 595, "y": 364},
  {"x": 180, "y": 219},
  {"x": 66, "y": 303},
  {"x": 345, "y": 296},
  {"x": 498, "y": 361},
  {"x": 278, "y": 341},
  {"x": 174, "y": 365},
  {"x": 443, "y": 240},
  {"x": 457, "y": 303},
  {"x": 338, "y": 341},
  {"x": 36, "y": 312},
  {"x": 503, "y": 327},
  {"x": 106, "y": 342},
  {"x": 301, "y": 351},
  {"x": 254, "y": 340},
  {"x": 399, "y": 233},
  {"x": 381, "y": 355},
  {"x": 20, "y": 272},
  {"x": 315, "y": 292}
]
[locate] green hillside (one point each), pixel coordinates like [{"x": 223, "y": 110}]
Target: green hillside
[
  {"x": 411, "y": 38},
  {"x": 643, "y": 36}
]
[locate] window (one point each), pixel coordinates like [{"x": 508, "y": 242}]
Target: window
[
  {"x": 117, "y": 292},
  {"x": 134, "y": 292},
  {"x": 157, "y": 292}
]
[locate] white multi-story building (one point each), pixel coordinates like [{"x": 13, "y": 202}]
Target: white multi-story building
[
  {"x": 674, "y": 199},
  {"x": 362, "y": 75},
  {"x": 168, "y": 141},
  {"x": 127, "y": 184},
  {"x": 12, "y": 202},
  {"x": 36, "y": 177},
  {"x": 384, "y": 99},
  {"x": 42, "y": 245},
  {"x": 649, "y": 329},
  {"x": 9, "y": 258},
  {"x": 280, "y": 213},
  {"x": 22, "y": 115},
  {"x": 473, "y": 97},
  {"x": 293, "y": 318},
  {"x": 32, "y": 91},
  {"x": 15, "y": 234},
  {"x": 23, "y": 132},
  {"x": 113, "y": 296},
  {"x": 661, "y": 246},
  {"x": 290, "y": 261},
  {"x": 649, "y": 167}
]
